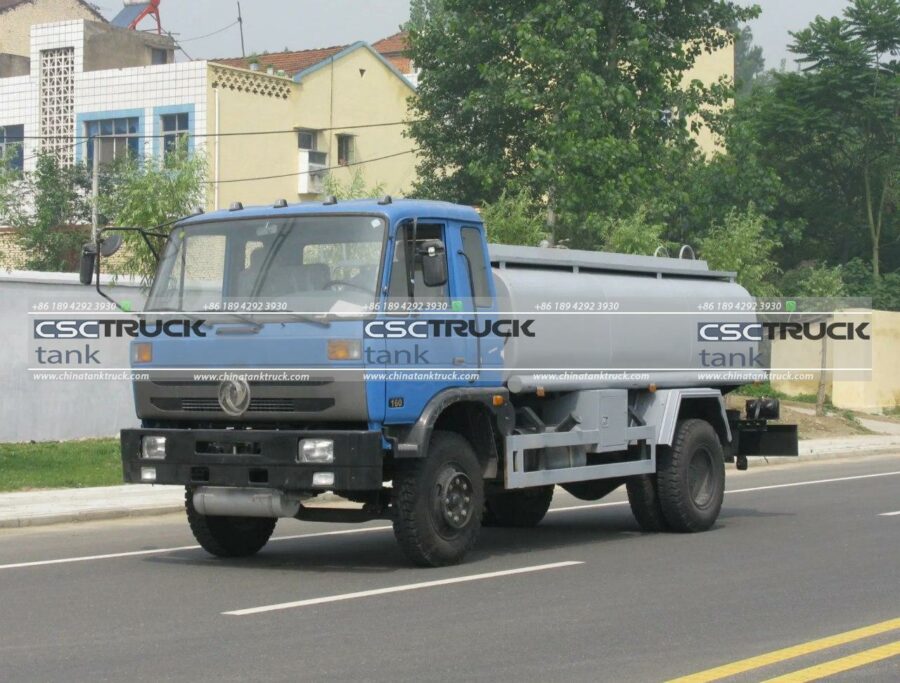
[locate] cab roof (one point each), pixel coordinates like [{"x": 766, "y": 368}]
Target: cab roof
[{"x": 396, "y": 210}]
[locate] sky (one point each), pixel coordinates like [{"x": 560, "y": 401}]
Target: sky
[{"x": 273, "y": 25}]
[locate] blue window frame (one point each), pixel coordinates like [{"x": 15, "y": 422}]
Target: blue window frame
[
  {"x": 175, "y": 129},
  {"x": 11, "y": 141},
  {"x": 119, "y": 137}
]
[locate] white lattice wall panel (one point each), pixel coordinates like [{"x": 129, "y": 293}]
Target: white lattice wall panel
[{"x": 57, "y": 102}]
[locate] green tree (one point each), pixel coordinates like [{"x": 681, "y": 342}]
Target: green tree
[
  {"x": 740, "y": 245},
  {"x": 49, "y": 207},
  {"x": 355, "y": 188},
  {"x": 514, "y": 219},
  {"x": 144, "y": 193},
  {"x": 584, "y": 106},
  {"x": 635, "y": 234},
  {"x": 830, "y": 132}
]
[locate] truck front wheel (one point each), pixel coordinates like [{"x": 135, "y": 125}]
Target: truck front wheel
[
  {"x": 691, "y": 477},
  {"x": 439, "y": 501},
  {"x": 228, "y": 536},
  {"x": 524, "y": 508}
]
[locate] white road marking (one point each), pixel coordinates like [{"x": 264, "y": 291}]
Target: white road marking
[
  {"x": 890, "y": 514},
  {"x": 398, "y": 589},
  {"x": 160, "y": 551}
]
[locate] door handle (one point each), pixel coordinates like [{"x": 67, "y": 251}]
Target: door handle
[{"x": 459, "y": 360}]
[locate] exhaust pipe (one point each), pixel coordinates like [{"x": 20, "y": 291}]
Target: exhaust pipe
[{"x": 231, "y": 502}]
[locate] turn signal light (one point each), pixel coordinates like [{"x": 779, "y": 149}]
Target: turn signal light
[
  {"x": 344, "y": 349},
  {"x": 142, "y": 352}
]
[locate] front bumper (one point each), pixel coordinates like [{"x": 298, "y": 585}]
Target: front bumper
[{"x": 257, "y": 458}]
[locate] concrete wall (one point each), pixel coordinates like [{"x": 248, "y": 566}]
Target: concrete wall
[
  {"x": 107, "y": 47},
  {"x": 14, "y": 65},
  {"x": 869, "y": 392},
  {"x": 16, "y": 23},
  {"x": 53, "y": 410}
]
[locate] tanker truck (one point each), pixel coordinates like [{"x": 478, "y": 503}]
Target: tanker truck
[{"x": 382, "y": 351}]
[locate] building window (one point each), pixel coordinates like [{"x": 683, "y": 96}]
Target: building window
[
  {"x": 117, "y": 138},
  {"x": 345, "y": 149},
  {"x": 11, "y": 140},
  {"x": 307, "y": 139},
  {"x": 175, "y": 128},
  {"x": 158, "y": 56}
]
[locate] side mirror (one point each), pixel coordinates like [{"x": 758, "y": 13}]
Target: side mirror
[
  {"x": 434, "y": 263},
  {"x": 108, "y": 247},
  {"x": 88, "y": 263}
]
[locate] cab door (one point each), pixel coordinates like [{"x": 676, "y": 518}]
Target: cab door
[{"x": 420, "y": 359}]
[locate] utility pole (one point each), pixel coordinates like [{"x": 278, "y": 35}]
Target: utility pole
[
  {"x": 95, "y": 190},
  {"x": 241, "y": 27}
]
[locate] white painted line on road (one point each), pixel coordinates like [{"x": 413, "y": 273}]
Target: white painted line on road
[
  {"x": 160, "y": 551},
  {"x": 398, "y": 589},
  {"x": 815, "y": 481},
  {"x": 890, "y": 514}
]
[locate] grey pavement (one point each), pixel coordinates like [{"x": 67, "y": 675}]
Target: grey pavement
[
  {"x": 53, "y": 506},
  {"x": 800, "y": 552}
]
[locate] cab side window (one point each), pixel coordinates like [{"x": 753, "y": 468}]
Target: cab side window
[{"x": 406, "y": 258}]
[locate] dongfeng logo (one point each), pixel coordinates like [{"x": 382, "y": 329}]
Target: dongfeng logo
[{"x": 234, "y": 396}]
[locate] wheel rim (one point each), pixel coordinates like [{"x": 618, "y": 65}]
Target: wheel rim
[
  {"x": 701, "y": 478},
  {"x": 453, "y": 498}
]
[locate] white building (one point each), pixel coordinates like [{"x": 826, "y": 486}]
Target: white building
[{"x": 85, "y": 78}]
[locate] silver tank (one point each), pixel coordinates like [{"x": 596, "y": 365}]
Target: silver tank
[{"x": 597, "y": 313}]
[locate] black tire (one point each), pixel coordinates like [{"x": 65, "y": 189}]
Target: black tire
[
  {"x": 228, "y": 536},
  {"x": 439, "y": 502},
  {"x": 644, "y": 501},
  {"x": 691, "y": 477},
  {"x": 522, "y": 509}
]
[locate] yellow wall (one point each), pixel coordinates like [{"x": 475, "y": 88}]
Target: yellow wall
[
  {"x": 338, "y": 96},
  {"x": 708, "y": 69},
  {"x": 15, "y": 24},
  {"x": 870, "y": 392},
  {"x": 241, "y": 101}
]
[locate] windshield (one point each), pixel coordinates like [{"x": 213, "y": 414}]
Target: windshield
[{"x": 299, "y": 264}]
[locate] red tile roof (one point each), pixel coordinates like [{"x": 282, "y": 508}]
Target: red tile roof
[
  {"x": 291, "y": 62},
  {"x": 392, "y": 44},
  {"x": 391, "y": 48}
]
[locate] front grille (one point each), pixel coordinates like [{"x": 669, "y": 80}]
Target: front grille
[{"x": 257, "y": 405}]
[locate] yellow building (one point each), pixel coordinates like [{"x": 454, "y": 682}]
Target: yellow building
[
  {"x": 709, "y": 69},
  {"x": 341, "y": 111}
]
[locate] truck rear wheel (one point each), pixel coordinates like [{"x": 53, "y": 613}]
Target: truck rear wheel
[
  {"x": 644, "y": 501},
  {"x": 691, "y": 477},
  {"x": 525, "y": 508},
  {"x": 439, "y": 501},
  {"x": 228, "y": 536}
]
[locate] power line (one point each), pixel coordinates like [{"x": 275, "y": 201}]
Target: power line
[
  {"x": 223, "y": 135},
  {"x": 319, "y": 170},
  {"x": 221, "y": 30}
]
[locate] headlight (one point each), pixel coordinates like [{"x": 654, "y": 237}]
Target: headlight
[
  {"x": 344, "y": 349},
  {"x": 315, "y": 450},
  {"x": 153, "y": 448}
]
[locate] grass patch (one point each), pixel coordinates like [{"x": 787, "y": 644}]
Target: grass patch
[
  {"x": 60, "y": 464},
  {"x": 765, "y": 389}
]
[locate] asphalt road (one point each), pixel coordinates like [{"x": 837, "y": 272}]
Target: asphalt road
[{"x": 793, "y": 559}]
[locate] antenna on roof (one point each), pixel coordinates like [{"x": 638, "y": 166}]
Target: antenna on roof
[{"x": 241, "y": 26}]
